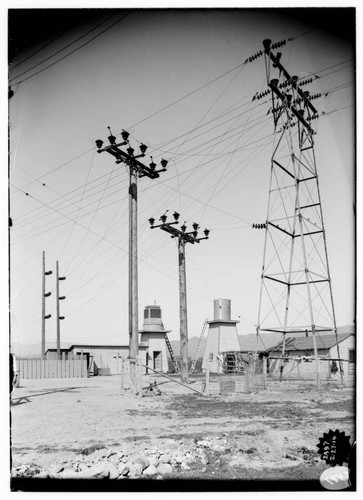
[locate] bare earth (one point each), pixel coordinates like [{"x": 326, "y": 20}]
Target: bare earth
[{"x": 252, "y": 440}]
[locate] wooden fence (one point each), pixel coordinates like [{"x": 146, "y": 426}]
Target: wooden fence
[{"x": 45, "y": 368}]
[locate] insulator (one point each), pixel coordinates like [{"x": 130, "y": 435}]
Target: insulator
[
  {"x": 267, "y": 44},
  {"x": 47, "y": 316},
  {"x": 61, "y": 317},
  {"x": 253, "y": 226},
  {"x": 48, "y": 294}
]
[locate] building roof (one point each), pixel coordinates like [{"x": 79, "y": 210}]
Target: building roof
[
  {"x": 307, "y": 343},
  {"x": 69, "y": 347}
]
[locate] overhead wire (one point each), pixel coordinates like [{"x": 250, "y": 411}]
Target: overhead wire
[{"x": 69, "y": 53}]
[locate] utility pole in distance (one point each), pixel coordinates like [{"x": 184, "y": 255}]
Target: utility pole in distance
[
  {"x": 44, "y": 295},
  {"x": 58, "y": 298},
  {"x": 183, "y": 238},
  {"x": 136, "y": 170}
]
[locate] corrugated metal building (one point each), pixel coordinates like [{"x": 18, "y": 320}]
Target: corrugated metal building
[{"x": 101, "y": 359}]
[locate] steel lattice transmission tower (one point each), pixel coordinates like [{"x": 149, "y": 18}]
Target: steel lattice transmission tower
[{"x": 296, "y": 294}]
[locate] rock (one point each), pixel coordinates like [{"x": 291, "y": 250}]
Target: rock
[
  {"x": 143, "y": 461},
  {"x": 165, "y": 458},
  {"x": 184, "y": 466},
  {"x": 42, "y": 475},
  {"x": 164, "y": 469},
  {"x": 178, "y": 457},
  {"x": 153, "y": 461},
  {"x": 119, "y": 455},
  {"x": 57, "y": 469},
  {"x": 83, "y": 467},
  {"x": 68, "y": 474},
  {"x": 123, "y": 469},
  {"x": 98, "y": 471},
  {"x": 219, "y": 448},
  {"x": 113, "y": 471},
  {"x": 203, "y": 443},
  {"x": 135, "y": 470},
  {"x": 114, "y": 460},
  {"x": 150, "y": 471}
]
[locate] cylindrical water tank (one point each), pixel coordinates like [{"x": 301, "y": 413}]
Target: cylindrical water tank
[{"x": 222, "y": 309}]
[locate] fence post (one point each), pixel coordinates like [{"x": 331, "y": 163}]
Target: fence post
[
  {"x": 264, "y": 369},
  {"x": 207, "y": 379},
  {"x": 138, "y": 379},
  {"x": 81, "y": 370},
  {"x": 122, "y": 373}
]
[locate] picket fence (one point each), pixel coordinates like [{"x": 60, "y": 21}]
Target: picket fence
[{"x": 46, "y": 368}]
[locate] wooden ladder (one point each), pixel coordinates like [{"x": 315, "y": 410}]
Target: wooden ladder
[
  {"x": 171, "y": 353},
  {"x": 192, "y": 368}
]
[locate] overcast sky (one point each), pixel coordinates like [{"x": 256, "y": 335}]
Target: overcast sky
[{"x": 175, "y": 80}]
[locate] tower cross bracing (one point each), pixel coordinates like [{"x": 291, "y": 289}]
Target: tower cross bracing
[{"x": 295, "y": 292}]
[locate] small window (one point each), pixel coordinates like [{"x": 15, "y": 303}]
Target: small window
[
  {"x": 210, "y": 356},
  {"x": 351, "y": 355},
  {"x": 146, "y": 314},
  {"x": 155, "y": 313}
]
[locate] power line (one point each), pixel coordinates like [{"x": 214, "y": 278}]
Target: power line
[
  {"x": 71, "y": 52},
  {"x": 62, "y": 49}
]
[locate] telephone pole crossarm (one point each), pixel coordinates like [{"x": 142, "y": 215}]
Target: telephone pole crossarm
[
  {"x": 136, "y": 170},
  {"x": 183, "y": 237}
]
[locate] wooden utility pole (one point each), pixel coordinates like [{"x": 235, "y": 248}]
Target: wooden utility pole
[
  {"x": 44, "y": 316},
  {"x": 136, "y": 170},
  {"x": 133, "y": 278},
  {"x": 183, "y": 311},
  {"x": 59, "y": 318},
  {"x": 183, "y": 238}
]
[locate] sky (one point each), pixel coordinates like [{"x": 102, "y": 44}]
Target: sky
[{"x": 177, "y": 82}]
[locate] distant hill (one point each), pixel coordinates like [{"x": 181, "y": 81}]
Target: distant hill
[{"x": 247, "y": 343}]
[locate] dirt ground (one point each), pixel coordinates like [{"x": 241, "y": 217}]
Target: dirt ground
[{"x": 267, "y": 435}]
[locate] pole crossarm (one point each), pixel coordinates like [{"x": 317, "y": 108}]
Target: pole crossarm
[
  {"x": 129, "y": 158},
  {"x": 277, "y": 63},
  {"x": 136, "y": 170},
  {"x": 291, "y": 107},
  {"x": 183, "y": 237}
]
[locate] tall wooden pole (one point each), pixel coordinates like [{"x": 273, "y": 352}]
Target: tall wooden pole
[
  {"x": 57, "y": 309},
  {"x": 43, "y": 308},
  {"x": 183, "y": 311},
  {"x": 133, "y": 278}
]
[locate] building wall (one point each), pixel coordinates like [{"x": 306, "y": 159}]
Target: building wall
[
  {"x": 156, "y": 352},
  {"x": 307, "y": 369},
  {"x": 107, "y": 357},
  {"x": 344, "y": 347},
  {"x": 222, "y": 337}
]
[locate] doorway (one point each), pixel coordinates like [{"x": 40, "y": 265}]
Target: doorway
[{"x": 157, "y": 365}]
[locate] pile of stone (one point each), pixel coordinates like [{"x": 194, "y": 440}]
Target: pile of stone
[{"x": 147, "y": 462}]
